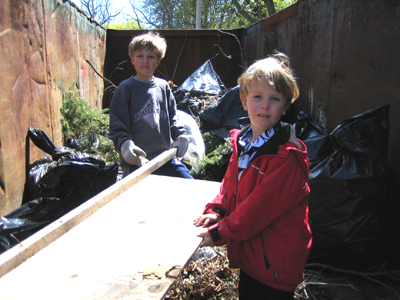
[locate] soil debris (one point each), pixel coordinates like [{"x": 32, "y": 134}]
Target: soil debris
[{"x": 213, "y": 279}]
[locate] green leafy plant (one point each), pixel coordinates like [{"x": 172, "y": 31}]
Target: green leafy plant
[
  {"x": 86, "y": 127},
  {"x": 214, "y": 164}
]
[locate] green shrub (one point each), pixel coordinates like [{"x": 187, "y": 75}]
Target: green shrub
[
  {"x": 213, "y": 165},
  {"x": 87, "y": 126}
]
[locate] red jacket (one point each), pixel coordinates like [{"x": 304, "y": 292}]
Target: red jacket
[{"x": 265, "y": 213}]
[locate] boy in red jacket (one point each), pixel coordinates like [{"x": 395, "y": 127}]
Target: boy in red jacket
[{"x": 261, "y": 212}]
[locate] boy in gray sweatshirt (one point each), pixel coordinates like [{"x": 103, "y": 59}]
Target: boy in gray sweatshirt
[{"x": 143, "y": 121}]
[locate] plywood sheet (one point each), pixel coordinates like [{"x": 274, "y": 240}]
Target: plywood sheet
[{"x": 123, "y": 251}]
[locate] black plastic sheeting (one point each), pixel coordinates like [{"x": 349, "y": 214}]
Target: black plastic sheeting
[
  {"x": 316, "y": 138},
  {"x": 225, "y": 114},
  {"x": 204, "y": 81},
  {"x": 354, "y": 205},
  {"x": 54, "y": 187}
]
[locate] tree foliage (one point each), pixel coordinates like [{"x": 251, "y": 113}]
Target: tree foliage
[
  {"x": 215, "y": 14},
  {"x": 181, "y": 14},
  {"x": 128, "y": 25}
]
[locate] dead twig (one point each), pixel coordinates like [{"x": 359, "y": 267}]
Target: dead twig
[
  {"x": 94, "y": 69},
  {"x": 371, "y": 277},
  {"x": 238, "y": 41}
]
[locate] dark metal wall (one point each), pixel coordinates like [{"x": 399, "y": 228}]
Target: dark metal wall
[{"x": 346, "y": 57}]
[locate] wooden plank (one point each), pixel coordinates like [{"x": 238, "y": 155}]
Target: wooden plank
[
  {"x": 18, "y": 254},
  {"x": 122, "y": 251}
]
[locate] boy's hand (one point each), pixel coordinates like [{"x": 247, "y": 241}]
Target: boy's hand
[
  {"x": 132, "y": 154},
  {"x": 182, "y": 144},
  {"x": 206, "y": 220},
  {"x": 207, "y": 240}
]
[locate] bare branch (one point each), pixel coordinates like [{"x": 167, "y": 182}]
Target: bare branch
[
  {"x": 132, "y": 2},
  {"x": 99, "y": 10}
]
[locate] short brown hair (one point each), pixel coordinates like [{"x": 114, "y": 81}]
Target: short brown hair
[
  {"x": 151, "y": 41},
  {"x": 276, "y": 70}
]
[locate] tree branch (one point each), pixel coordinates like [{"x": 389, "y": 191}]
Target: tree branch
[{"x": 244, "y": 13}]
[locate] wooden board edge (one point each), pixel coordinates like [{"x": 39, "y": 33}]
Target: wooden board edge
[{"x": 15, "y": 256}]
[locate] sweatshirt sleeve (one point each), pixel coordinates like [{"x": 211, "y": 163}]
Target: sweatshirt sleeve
[{"x": 119, "y": 117}]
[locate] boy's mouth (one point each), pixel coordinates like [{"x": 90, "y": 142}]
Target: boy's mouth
[{"x": 263, "y": 116}]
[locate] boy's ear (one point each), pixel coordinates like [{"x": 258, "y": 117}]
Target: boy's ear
[{"x": 244, "y": 103}]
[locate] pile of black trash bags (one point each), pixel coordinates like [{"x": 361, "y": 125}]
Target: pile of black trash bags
[
  {"x": 353, "y": 205},
  {"x": 54, "y": 186}
]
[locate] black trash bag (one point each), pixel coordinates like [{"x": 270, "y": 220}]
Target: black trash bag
[
  {"x": 51, "y": 177},
  {"x": 26, "y": 220},
  {"x": 83, "y": 178},
  {"x": 203, "y": 81},
  {"x": 82, "y": 143},
  {"x": 365, "y": 132},
  {"x": 41, "y": 140},
  {"x": 224, "y": 115},
  {"x": 191, "y": 106},
  {"x": 315, "y": 137},
  {"x": 354, "y": 201},
  {"x": 54, "y": 187}
]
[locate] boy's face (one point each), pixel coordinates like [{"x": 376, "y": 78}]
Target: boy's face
[
  {"x": 145, "y": 62},
  {"x": 264, "y": 105}
]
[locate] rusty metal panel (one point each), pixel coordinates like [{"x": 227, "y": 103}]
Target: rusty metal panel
[
  {"x": 44, "y": 45},
  {"x": 187, "y": 50}
]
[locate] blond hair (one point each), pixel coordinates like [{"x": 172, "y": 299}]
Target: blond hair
[
  {"x": 150, "y": 41},
  {"x": 276, "y": 70}
]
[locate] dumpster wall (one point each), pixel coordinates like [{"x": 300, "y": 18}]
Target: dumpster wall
[
  {"x": 44, "y": 48},
  {"x": 345, "y": 55}
]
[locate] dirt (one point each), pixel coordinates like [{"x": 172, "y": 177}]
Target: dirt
[
  {"x": 207, "y": 279},
  {"x": 213, "y": 279}
]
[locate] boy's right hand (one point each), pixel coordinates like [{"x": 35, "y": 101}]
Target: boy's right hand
[
  {"x": 206, "y": 220},
  {"x": 132, "y": 154}
]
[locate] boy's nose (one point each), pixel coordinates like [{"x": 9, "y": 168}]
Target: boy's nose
[{"x": 265, "y": 104}]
